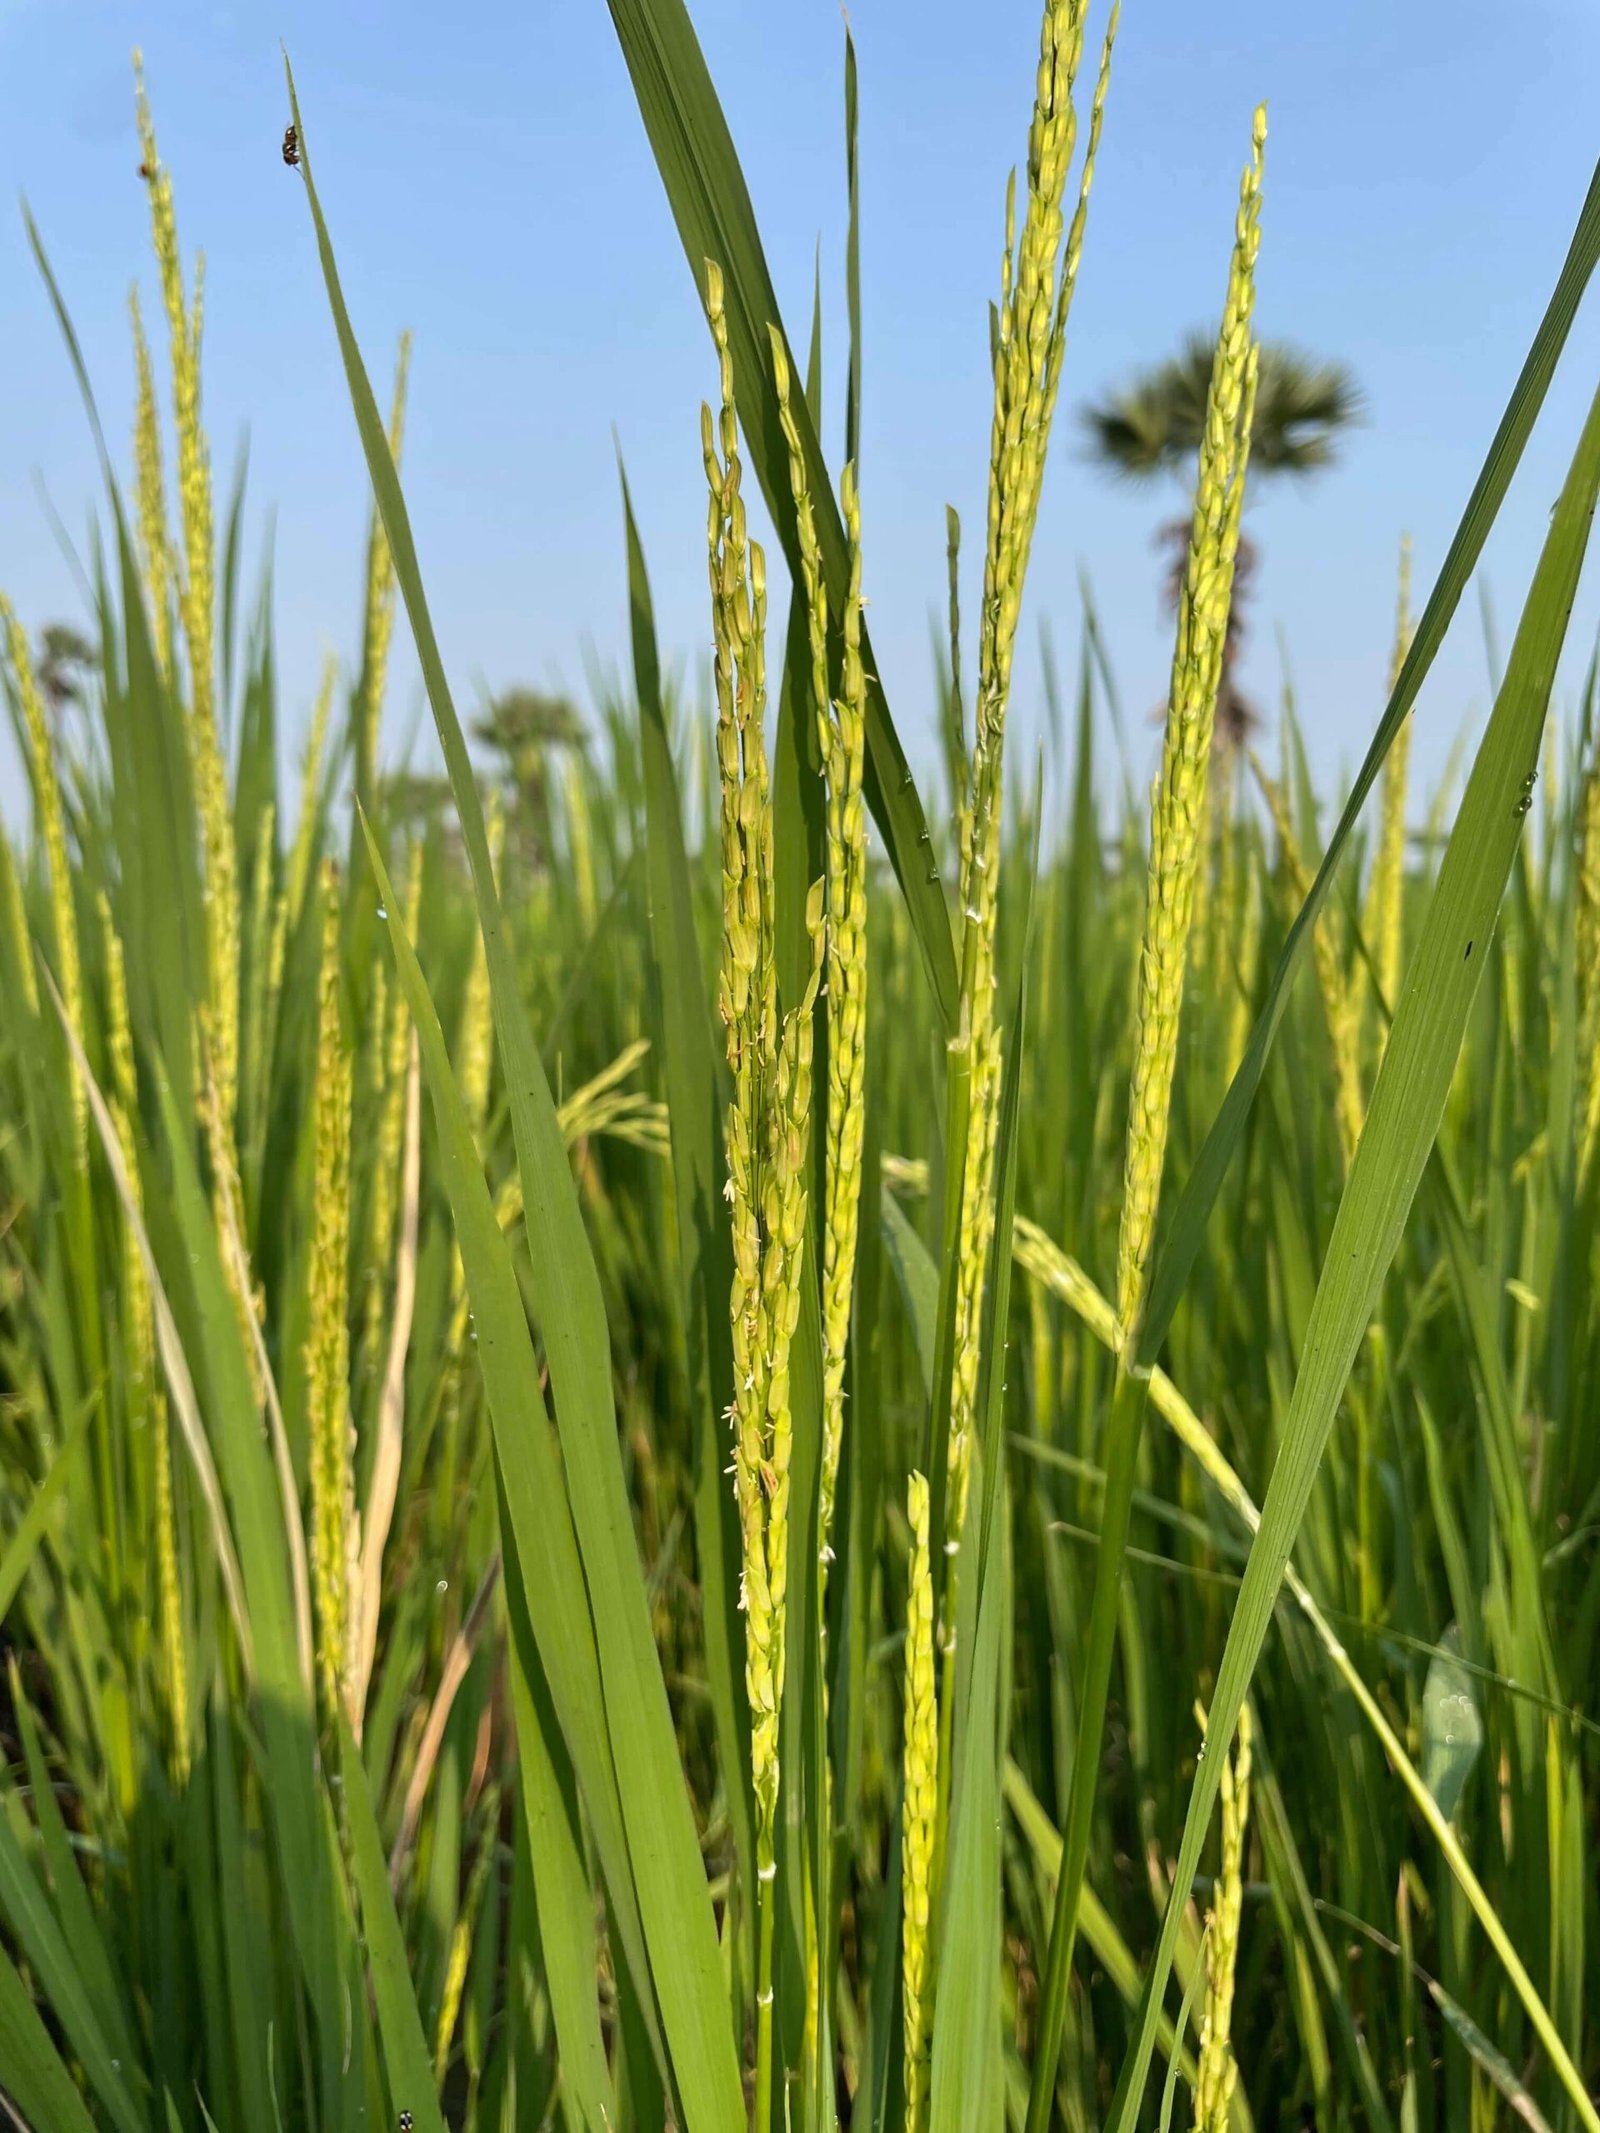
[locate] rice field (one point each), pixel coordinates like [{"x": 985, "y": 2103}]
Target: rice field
[{"x": 696, "y": 1433}]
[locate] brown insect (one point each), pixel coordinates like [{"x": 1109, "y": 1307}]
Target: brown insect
[
  {"x": 291, "y": 147},
  {"x": 147, "y": 171}
]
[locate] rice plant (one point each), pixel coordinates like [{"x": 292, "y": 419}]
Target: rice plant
[{"x": 573, "y": 1549}]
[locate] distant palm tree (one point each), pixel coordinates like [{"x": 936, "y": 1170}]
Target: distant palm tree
[
  {"x": 525, "y": 728},
  {"x": 1153, "y": 425},
  {"x": 63, "y": 664}
]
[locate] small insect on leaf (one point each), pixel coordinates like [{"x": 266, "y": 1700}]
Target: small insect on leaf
[
  {"x": 147, "y": 171},
  {"x": 291, "y": 147},
  {"x": 405, "y": 2116}
]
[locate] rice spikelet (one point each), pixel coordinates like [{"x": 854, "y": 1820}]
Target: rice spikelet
[
  {"x": 1178, "y": 807},
  {"x": 1217, "y": 2073},
  {"x": 474, "y": 1066},
  {"x": 263, "y": 918},
  {"x": 1339, "y": 1008},
  {"x": 334, "y": 1528},
  {"x": 1388, "y": 872},
  {"x": 919, "y": 1814},
  {"x": 1030, "y": 341},
  {"x": 455, "y": 1976},
  {"x": 1244, "y": 972},
  {"x": 155, "y": 552},
  {"x": 841, "y": 733},
  {"x": 768, "y": 1118},
  {"x": 197, "y": 611},
  {"x": 394, "y": 1052}
]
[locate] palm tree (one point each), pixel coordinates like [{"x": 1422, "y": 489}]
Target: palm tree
[
  {"x": 1153, "y": 425},
  {"x": 64, "y": 661},
  {"x": 525, "y": 728}
]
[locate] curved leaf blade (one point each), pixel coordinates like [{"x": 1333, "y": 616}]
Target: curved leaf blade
[{"x": 673, "y": 1896}]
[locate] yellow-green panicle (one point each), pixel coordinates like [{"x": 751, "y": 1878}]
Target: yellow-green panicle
[
  {"x": 1030, "y": 342},
  {"x": 334, "y": 1540},
  {"x": 154, "y": 545},
  {"x": 197, "y": 610},
  {"x": 1179, "y": 804},
  {"x": 1388, "y": 873},
  {"x": 1217, "y": 2074},
  {"x": 395, "y": 1045},
  {"x": 841, "y": 734},
  {"x": 768, "y": 1122},
  {"x": 920, "y": 1813},
  {"x": 1339, "y": 1000}
]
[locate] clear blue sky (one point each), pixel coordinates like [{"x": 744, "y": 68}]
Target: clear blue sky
[{"x": 488, "y": 184}]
